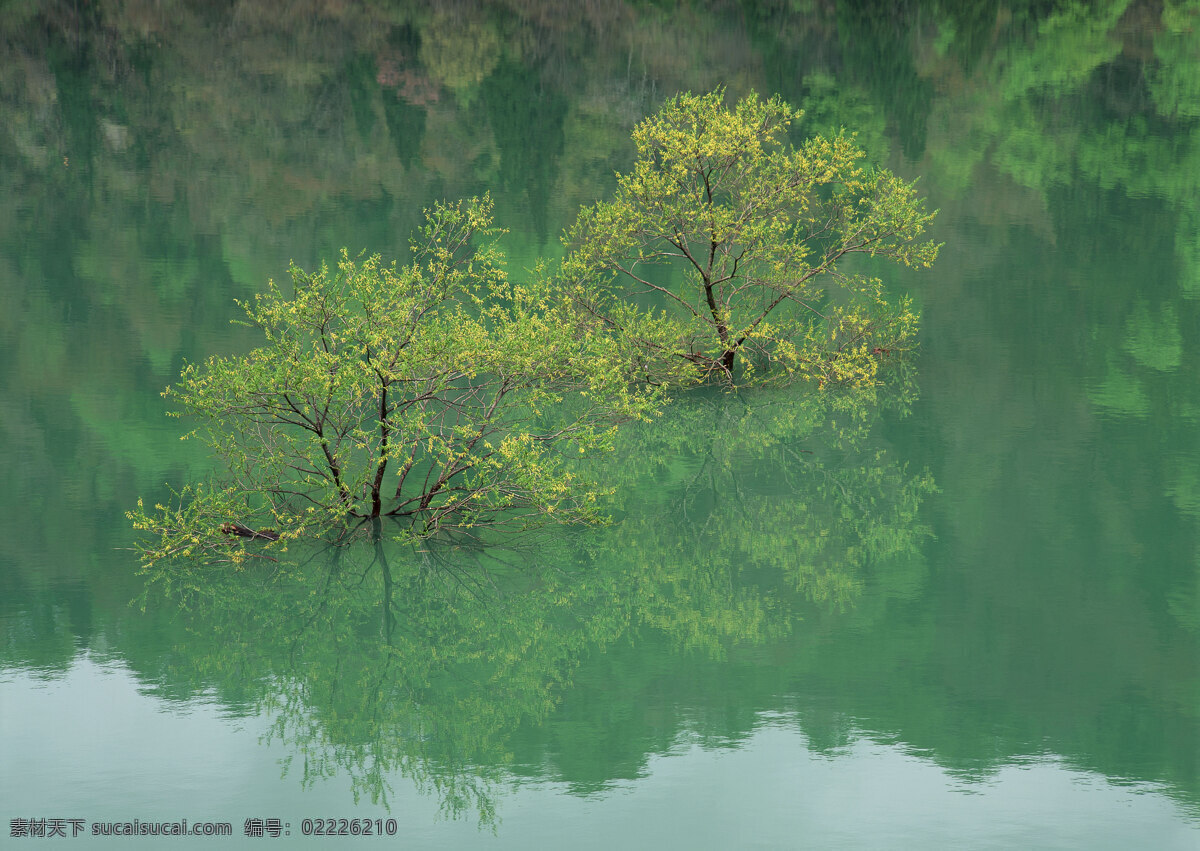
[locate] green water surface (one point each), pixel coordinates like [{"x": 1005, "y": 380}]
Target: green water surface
[{"x": 964, "y": 613}]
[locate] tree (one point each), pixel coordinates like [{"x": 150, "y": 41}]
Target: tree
[
  {"x": 437, "y": 393},
  {"x": 736, "y": 233}
]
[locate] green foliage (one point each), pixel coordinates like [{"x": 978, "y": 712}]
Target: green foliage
[
  {"x": 830, "y": 104},
  {"x": 1154, "y": 340},
  {"x": 443, "y": 395},
  {"x": 741, "y": 239},
  {"x": 1072, "y": 42},
  {"x": 1175, "y": 82},
  {"x": 431, "y": 393},
  {"x": 1119, "y": 393},
  {"x": 460, "y": 51}
]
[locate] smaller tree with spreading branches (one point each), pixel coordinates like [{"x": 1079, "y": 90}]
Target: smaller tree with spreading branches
[{"x": 741, "y": 242}]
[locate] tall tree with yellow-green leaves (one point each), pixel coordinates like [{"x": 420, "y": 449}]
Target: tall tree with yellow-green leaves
[{"x": 736, "y": 244}]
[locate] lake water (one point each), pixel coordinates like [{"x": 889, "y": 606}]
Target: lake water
[{"x": 975, "y": 622}]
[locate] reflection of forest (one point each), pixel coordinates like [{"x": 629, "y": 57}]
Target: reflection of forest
[{"x": 158, "y": 163}]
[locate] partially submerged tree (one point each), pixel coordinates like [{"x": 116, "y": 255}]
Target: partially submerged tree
[
  {"x": 432, "y": 393},
  {"x": 740, "y": 239}
]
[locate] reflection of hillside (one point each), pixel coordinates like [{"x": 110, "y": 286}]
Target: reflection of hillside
[{"x": 254, "y": 119}]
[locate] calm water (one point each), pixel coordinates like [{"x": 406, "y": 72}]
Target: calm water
[{"x": 972, "y": 622}]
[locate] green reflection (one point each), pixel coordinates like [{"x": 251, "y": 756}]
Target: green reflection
[{"x": 380, "y": 661}]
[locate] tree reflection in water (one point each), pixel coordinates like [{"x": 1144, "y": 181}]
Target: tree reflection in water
[{"x": 736, "y": 515}]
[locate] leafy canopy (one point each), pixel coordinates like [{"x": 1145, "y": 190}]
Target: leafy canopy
[
  {"x": 443, "y": 395},
  {"x": 739, "y": 239},
  {"x": 438, "y": 393}
]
